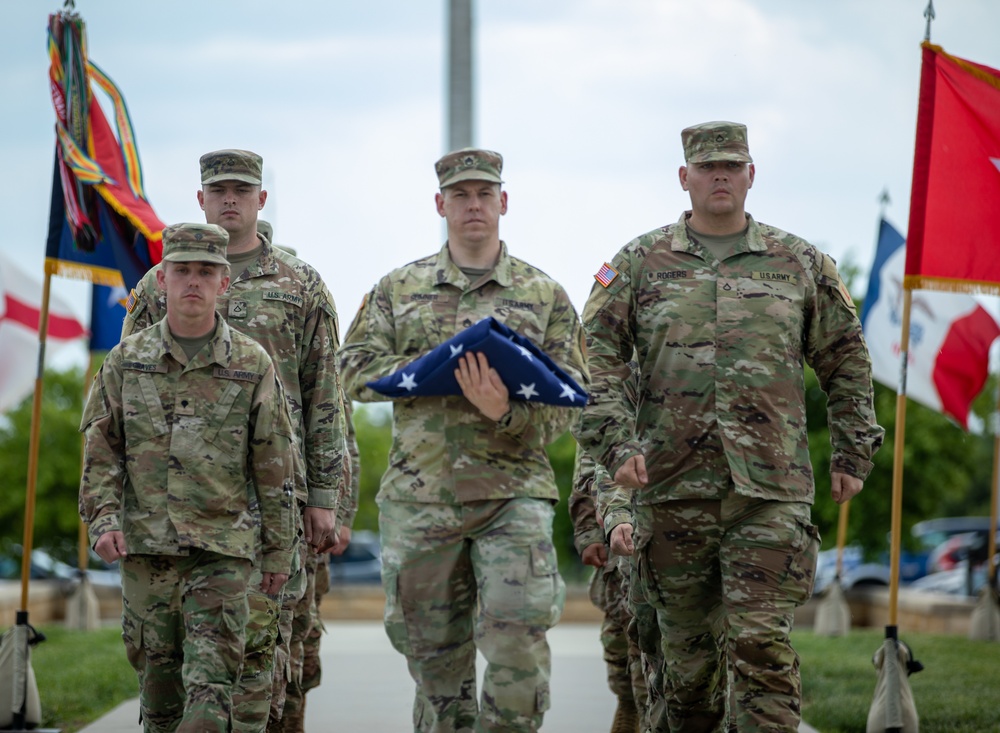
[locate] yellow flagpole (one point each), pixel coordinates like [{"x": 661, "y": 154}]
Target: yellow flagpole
[
  {"x": 845, "y": 510},
  {"x": 897, "y": 468},
  {"x": 36, "y": 419}
]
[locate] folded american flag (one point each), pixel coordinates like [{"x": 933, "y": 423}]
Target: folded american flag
[{"x": 527, "y": 371}]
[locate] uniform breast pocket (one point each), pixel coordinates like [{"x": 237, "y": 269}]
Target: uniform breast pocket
[
  {"x": 777, "y": 300},
  {"x": 145, "y": 418},
  {"x": 527, "y": 323},
  {"x": 227, "y": 426}
]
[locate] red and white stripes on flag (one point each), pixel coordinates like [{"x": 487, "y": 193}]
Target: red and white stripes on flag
[
  {"x": 950, "y": 335},
  {"x": 20, "y": 311}
]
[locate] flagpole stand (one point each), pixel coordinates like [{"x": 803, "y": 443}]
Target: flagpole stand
[{"x": 20, "y": 709}]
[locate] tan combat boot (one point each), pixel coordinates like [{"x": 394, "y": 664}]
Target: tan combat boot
[{"x": 626, "y": 717}]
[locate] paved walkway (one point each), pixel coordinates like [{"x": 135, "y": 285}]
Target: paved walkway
[{"x": 366, "y": 686}]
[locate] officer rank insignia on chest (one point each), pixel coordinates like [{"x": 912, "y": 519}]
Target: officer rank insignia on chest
[{"x": 606, "y": 275}]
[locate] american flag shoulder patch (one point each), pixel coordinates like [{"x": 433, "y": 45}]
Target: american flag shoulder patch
[
  {"x": 606, "y": 275},
  {"x": 130, "y": 301}
]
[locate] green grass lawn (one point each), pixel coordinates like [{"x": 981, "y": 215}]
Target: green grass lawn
[
  {"x": 957, "y": 692},
  {"x": 82, "y": 675}
]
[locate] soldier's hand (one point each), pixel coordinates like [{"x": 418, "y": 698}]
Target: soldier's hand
[
  {"x": 595, "y": 555},
  {"x": 621, "y": 540},
  {"x": 482, "y": 386},
  {"x": 110, "y": 546},
  {"x": 317, "y": 524},
  {"x": 271, "y": 582},
  {"x": 632, "y": 474},
  {"x": 340, "y": 542},
  {"x": 844, "y": 487}
]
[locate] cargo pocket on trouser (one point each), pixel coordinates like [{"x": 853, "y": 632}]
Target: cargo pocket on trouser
[
  {"x": 158, "y": 667},
  {"x": 213, "y": 655},
  {"x": 522, "y": 596}
]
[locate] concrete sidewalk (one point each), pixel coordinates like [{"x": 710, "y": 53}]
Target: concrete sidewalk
[{"x": 366, "y": 686}]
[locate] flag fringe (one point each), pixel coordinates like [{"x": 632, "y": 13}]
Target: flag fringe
[
  {"x": 949, "y": 285},
  {"x": 967, "y": 67},
  {"x": 80, "y": 271},
  {"x": 123, "y": 210}
]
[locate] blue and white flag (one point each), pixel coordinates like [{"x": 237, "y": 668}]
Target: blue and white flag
[
  {"x": 950, "y": 335},
  {"x": 527, "y": 371}
]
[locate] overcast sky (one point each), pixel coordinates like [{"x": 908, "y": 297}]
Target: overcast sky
[{"x": 585, "y": 99}]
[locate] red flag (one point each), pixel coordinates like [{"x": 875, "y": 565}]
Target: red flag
[
  {"x": 954, "y": 232},
  {"x": 20, "y": 311}
]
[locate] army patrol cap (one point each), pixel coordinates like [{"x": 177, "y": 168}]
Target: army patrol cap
[
  {"x": 469, "y": 164},
  {"x": 716, "y": 141},
  {"x": 195, "y": 243},
  {"x": 231, "y": 165}
]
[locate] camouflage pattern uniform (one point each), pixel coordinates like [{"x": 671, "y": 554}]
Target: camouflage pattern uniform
[
  {"x": 609, "y": 592},
  {"x": 185, "y": 457},
  {"x": 466, "y": 504},
  {"x": 312, "y": 673},
  {"x": 614, "y": 503},
  {"x": 283, "y": 304},
  {"x": 726, "y": 548}
]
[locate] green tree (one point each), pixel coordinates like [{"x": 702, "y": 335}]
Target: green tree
[
  {"x": 942, "y": 471},
  {"x": 59, "y": 458}
]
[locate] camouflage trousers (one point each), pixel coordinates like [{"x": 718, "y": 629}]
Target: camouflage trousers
[
  {"x": 266, "y": 654},
  {"x": 644, "y": 636},
  {"x": 725, "y": 577},
  {"x": 182, "y": 624},
  {"x": 312, "y": 672},
  {"x": 609, "y": 592},
  {"x": 297, "y": 620},
  {"x": 461, "y": 577}
]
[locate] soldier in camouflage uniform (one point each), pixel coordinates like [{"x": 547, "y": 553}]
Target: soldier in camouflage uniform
[
  {"x": 282, "y": 303},
  {"x": 722, "y": 312},
  {"x": 188, "y": 437},
  {"x": 467, "y": 502},
  {"x": 608, "y": 592},
  {"x": 293, "y": 720}
]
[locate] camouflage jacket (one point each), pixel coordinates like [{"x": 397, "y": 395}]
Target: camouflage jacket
[
  {"x": 347, "y": 509},
  {"x": 282, "y": 303},
  {"x": 444, "y": 450},
  {"x": 721, "y": 347},
  {"x": 582, "y": 506},
  {"x": 182, "y": 455}
]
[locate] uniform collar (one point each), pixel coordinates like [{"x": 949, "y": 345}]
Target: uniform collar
[
  {"x": 265, "y": 264},
  {"x": 220, "y": 345},
  {"x": 682, "y": 243},
  {"x": 448, "y": 273}
]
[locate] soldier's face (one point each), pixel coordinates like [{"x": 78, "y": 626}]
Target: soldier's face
[
  {"x": 192, "y": 287},
  {"x": 233, "y": 205},
  {"x": 472, "y": 210},
  {"x": 717, "y": 187}
]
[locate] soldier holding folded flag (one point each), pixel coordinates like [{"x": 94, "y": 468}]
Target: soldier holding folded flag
[{"x": 467, "y": 503}]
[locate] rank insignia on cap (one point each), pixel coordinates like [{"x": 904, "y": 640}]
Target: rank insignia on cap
[
  {"x": 130, "y": 301},
  {"x": 606, "y": 275}
]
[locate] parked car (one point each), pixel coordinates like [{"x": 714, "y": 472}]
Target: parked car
[
  {"x": 361, "y": 561},
  {"x": 913, "y": 564},
  {"x": 45, "y": 567},
  {"x": 950, "y": 553}
]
